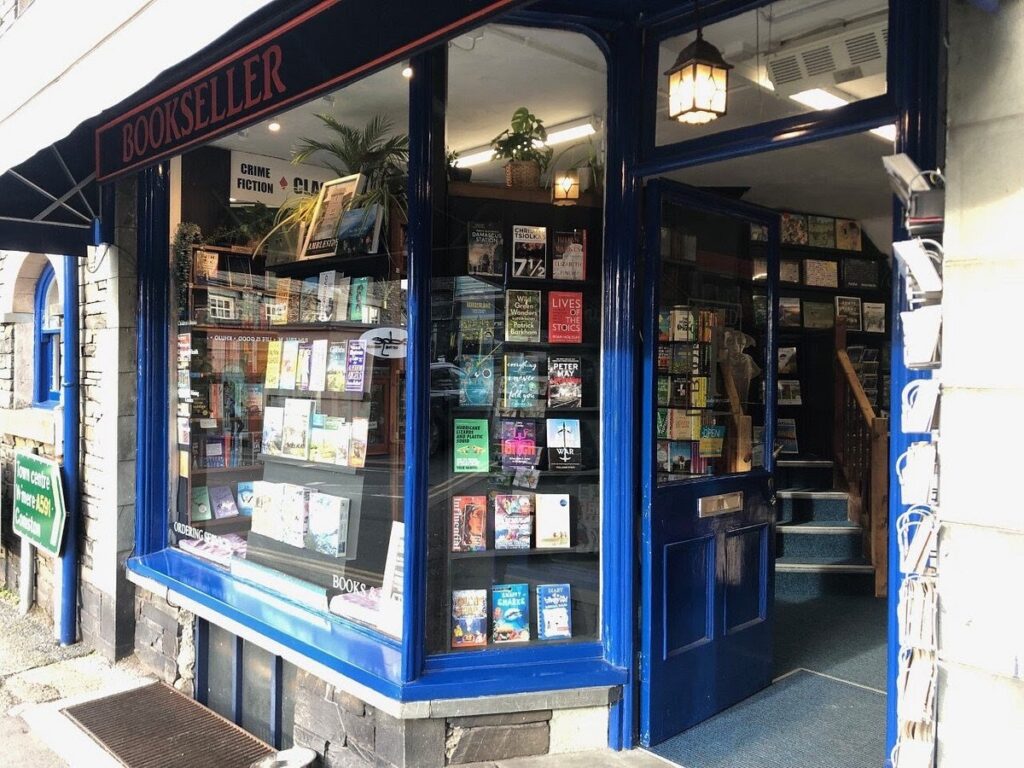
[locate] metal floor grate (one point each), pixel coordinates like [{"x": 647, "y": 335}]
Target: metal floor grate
[{"x": 157, "y": 727}]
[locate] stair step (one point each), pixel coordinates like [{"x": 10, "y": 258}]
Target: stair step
[
  {"x": 806, "y": 579},
  {"x": 809, "y": 472},
  {"x": 811, "y": 493},
  {"x": 805, "y": 463},
  {"x": 822, "y": 527},
  {"x": 800, "y": 505},
  {"x": 823, "y": 565}
]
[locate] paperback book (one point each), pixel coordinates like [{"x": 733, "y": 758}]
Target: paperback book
[
  {"x": 357, "y": 299},
  {"x": 201, "y": 509},
  {"x": 359, "y": 231},
  {"x": 244, "y": 497},
  {"x": 335, "y": 374},
  {"x": 307, "y": 299},
  {"x": 513, "y": 521},
  {"x": 476, "y": 387},
  {"x": 553, "y": 531},
  {"x": 355, "y": 366},
  {"x": 471, "y": 449},
  {"x": 325, "y": 296},
  {"x": 358, "y": 442},
  {"x": 222, "y": 502},
  {"x": 478, "y": 323},
  {"x": 272, "y": 377},
  {"x": 554, "y": 611},
  {"x": 289, "y": 360},
  {"x": 529, "y": 251},
  {"x": 563, "y": 441},
  {"x": 565, "y": 383},
  {"x": 273, "y": 430},
  {"x": 518, "y": 444},
  {"x": 469, "y": 618},
  {"x": 294, "y": 514},
  {"x": 511, "y": 613},
  {"x": 327, "y": 531},
  {"x": 303, "y": 365},
  {"x": 569, "y": 257},
  {"x": 522, "y": 316},
  {"x": 298, "y": 413},
  {"x": 565, "y": 317},
  {"x": 523, "y": 381},
  {"x": 485, "y": 250},
  {"x": 469, "y": 523},
  {"x": 342, "y": 288}
]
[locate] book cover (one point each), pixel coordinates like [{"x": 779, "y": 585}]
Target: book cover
[
  {"x": 569, "y": 256},
  {"x": 684, "y": 424},
  {"x": 476, "y": 387},
  {"x": 318, "y": 366},
  {"x": 184, "y": 431},
  {"x": 298, "y": 413},
  {"x": 821, "y": 231},
  {"x": 529, "y": 251},
  {"x": 665, "y": 325},
  {"x": 485, "y": 247},
  {"x": 661, "y": 424},
  {"x": 471, "y": 448},
  {"x": 307, "y": 299},
  {"x": 325, "y": 296},
  {"x": 565, "y": 382},
  {"x": 357, "y": 299},
  {"x": 272, "y": 376},
  {"x": 289, "y": 361},
  {"x": 478, "y": 323},
  {"x": 303, "y": 365},
  {"x": 554, "y": 611},
  {"x": 357, "y": 444},
  {"x": 319, "y": 448},
  {"x": 469, "y": 523},
  {"x": 565, "y": 317},
  {"x": 244, "y": 497},
  {"x": 344, "y": 439},
  {"x": 327, "y": 531},
  {"x": 359, "y": 231},
  {"x": 214, "y": 453},
  {"x": 563, "y": 441},
  {"x": 294, "y": 513},
  {"x": 518, "y": 444},
  {"x": 201, "y": 509},
  {"x": 469, "y": 618},
  {"x": 273, "y": 430},
  {"x": 789, "y": 312},
  {"x": 818, "y": 314},
  {"x": 663, "y": 388},
  {"x": 785, "y": 433},
  {"x": 684, "y": 324},
  {"x": 787, "y": 361},
  {"x": 680, "y": 456},
  {"x": 337, "y": 352},
  {"x": 522, "y": 381},
  {"x": 553, "y": 527},
  {"x": 664, "y": 362},
  {"x": 342, "y": 287},
  {"x": 332, "y": 439},
  {"x": 848, "y": 235},
  {"x": 513, "y": 521},
  {"x": 712, "y": 440},
  {"x": 355, "y": 366},
  {"x": 266, "y": 513},
  {"x": 222, "y": 502},
  {"x": 522, "y": 315},
  {"x": 511, "y": 613},
  {"x": 789, "y": 392}
]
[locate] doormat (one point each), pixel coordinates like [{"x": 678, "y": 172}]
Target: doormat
[
  {"x": 157, "y": 727},
  {"x": 802, "y": 721}
]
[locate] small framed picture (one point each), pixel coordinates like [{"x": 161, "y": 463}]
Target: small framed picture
[
  {"x": 819, "y": 314},
  {"x": 860, "y": 273},
  {"x": 794, "y": 229},
  {"x": 334, "y": 199},
  {"x": 848, "y": 235},
  {"x": 848, "y": 312},
  {"x": 789, "y": 312},
  {"x": 821, "y": 273},
  {"x": 759, "y": 233},
  {"x": 785, "y": 433},
  {"x": 874, "y": 317},
  {"x": 821, "y": 231},
  {"x": 789, "y": 392},
  {"x": 789, "y": 271}
]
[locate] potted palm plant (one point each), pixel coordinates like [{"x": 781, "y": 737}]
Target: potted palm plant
[{"x": 522, "y": 145}]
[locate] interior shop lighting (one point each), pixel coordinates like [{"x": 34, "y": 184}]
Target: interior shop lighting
[
  {"x": 274, "y": 127},
  {"x": 698, "y": 83},
  {"x": 562, "y": 135},
  {"x": 566, "y": 189},
  {"x": 558, "y": 134},
  {"x": 887, "y": 132},
  {"x": 471, "y": 159},
  {"x": 407, "y": 72},
  {"x": 819, "y": 98}
]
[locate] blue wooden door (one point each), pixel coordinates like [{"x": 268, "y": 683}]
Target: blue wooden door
[{"x": 708, "y": 499}]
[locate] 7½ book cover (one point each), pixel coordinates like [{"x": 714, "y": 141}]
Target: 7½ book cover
[
  {"x": 529, "y": 251},
  {"x": 511, "y": 613}
]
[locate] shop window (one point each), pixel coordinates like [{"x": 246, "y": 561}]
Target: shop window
[
  {"x": 788, "y": 58},
  {"x": 290, "y": 380},
  {"x": 48, "y": 323},
  {"x": 516, "y": 318}
]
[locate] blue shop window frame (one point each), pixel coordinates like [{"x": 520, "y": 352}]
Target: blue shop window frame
[
  {"x": 396, "y": 669},
  {"x": 46, "y": 386}
]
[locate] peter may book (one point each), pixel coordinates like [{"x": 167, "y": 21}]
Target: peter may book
[
  {"x": 485, "y": 246},
  {"x": 511, "y": 613},
  {"x": 563, "y": 439},
  {"x": 554, "y": 611},
  {"x": 565, "y": 384},
  {"x": 469, "y": 618},
  {"x": 513, "y": 521},
  {"x": 518, "y": 444},
  {"x": 569, "y": 257},
  {"x": 522, "y": 316},
  {"x": 472, "y": 446},
  {"x": 529, "y": 251},
  {"x": 469, "y": 523},
  {"x": 565, "y": 317}
]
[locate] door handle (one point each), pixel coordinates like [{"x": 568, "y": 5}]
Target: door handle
[{"x": 777, "y": 449}]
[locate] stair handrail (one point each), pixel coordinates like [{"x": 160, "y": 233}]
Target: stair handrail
[{"x": 739, "y": 442}]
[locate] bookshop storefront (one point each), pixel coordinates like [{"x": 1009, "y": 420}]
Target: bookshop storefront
[{"x": 398, "y": 429}]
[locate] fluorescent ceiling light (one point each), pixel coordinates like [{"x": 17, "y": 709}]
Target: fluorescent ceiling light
[
  {"x": 818, "y": 98},
  {"x": 274, "y": 127},
  {"x": 563, "y": 135},
  {"x": 887, "y": 132},
  {"x": 475, "y": 158}
]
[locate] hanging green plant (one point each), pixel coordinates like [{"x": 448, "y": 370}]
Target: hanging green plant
[{"x": 186, "y": 236}]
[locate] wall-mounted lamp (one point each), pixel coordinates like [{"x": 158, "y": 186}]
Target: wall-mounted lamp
[
  {"x": 566, "y": 189},
  {"x": 698, "y": 83}
]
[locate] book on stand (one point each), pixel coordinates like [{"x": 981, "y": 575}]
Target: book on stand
[
  {"x": 303, "y": 365},
  {"x": 272, "y": 377},
  {"x": 289, "y": 361},
  {"x": 476, "y": 387},
  {"x": 318, "y": 366},
  {"x": 554, "y": 611},
  {"x": 553, "y": 522},
  {"x": 222, "y": 502},
  {"x": 565, "y": 383},
  {"x": 564, "y": 447},
  {"x": 327, "y": 532},
  {"x": 518, "y": 444},
  {"x": 522, "y": 380},
  {"x": 513, "y": 521},
  {"x": 510, "y": 613},
  {"x": 471, "y": 446},
  {"x": 244, "y": 497},
  {"x": 337, "y": 352},
  {"x": 298, "y": 415},
  {"x": 469, "y": 523},
  {"x": 522, "y": 316},
  {"x": 565, "y": 317},
  {"x": 201, "y": 509},
  {"x": 469, "y": 618},
  {"x": 485, "y": 246},
  {"x": 358, "y": 443},
  {"x": 569, "y": 256},
  {"x": 529, "y": 251},
  {"x": 273, "y": 430}
]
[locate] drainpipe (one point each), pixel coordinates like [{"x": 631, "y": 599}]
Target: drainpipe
[{"x": 70, "y": 466}]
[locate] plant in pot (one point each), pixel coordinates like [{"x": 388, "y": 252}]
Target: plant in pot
[
  {"x": 521, "y": 144},
  {"x": 455, "y": 173}
]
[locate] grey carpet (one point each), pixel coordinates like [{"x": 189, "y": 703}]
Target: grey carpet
[{"x": 803, "y": 721}]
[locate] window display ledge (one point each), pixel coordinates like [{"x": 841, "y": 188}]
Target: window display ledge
[{"x": 362, "y": 663}]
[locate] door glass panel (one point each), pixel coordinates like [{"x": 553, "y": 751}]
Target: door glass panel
[{"x": 712, "y": 341}]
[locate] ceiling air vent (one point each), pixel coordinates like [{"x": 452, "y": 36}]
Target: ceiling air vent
[
  {"x": 862, "y": 48},
  {"x": 785, "y": 69},
  {"x": 818, "y": 61}
]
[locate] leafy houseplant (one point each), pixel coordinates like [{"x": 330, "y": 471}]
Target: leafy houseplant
[
  {"x": 455, "y": 173},
  {"x": 186, "y": 236},
  {"x": 521, "y": 144},
  {"x": 587, "y": 158}
]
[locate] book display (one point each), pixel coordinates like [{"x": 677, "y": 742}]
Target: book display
[
  {"x": 288, "y": 386},
  {"x": 514, "y": 472}
]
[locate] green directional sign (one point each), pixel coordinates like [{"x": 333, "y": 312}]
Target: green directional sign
[{"x": 39, "y": 513}]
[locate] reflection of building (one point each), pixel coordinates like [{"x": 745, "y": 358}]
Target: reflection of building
[{"x": 341, "y": 658}]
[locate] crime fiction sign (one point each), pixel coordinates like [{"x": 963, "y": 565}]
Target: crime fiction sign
[
  {"x": 39, "y": 514},
  {"x": 332, "y": 43}
]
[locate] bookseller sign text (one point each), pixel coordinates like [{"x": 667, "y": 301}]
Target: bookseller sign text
[{"x": 38, "y": 501}]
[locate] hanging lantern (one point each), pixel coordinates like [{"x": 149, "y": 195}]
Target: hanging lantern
[
  {"x": 566, "y": 189},
  {"x": 698, "y": 83}
]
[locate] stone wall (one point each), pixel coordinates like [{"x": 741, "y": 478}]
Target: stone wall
[
  {"x": 981, "y": 546},
  {"x": 165, "y": 640}
]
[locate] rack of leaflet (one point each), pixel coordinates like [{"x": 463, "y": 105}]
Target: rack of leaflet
[{"x": 920, "y": 262}]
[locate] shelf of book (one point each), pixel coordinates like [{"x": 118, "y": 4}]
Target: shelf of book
[
  {"x": 532, "y": 552},
  {"x": 316, "y": 395},
  {"x": 242, "y": 469},
  {"x": 223, "y": 525},
  {"x": 501, "y": 192},
  {"x": 314, "y": 466},
  {"x": 366, "y": 263}
]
